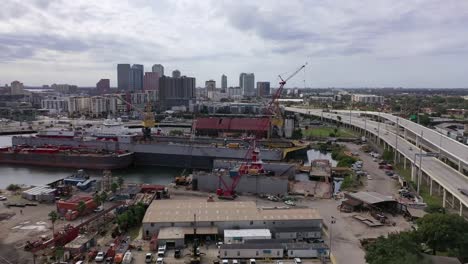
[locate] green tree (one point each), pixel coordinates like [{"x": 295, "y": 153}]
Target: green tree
[
  {"x": 114, "y": 187},
  {"x": 103, "y": 197},
  {"x": 297, "y": 134},
  {"x": 443, "y": 232},
  {"x": 53, "y": 216},
  {"x": 97, "y": 199},
  {"x": 176, "y": 132},
  {"x": 13, "y": 187},
  {"x": 397, "y": 248},
  {"x": 120, "y": 181},
  {"x": 81, "y": 207}
]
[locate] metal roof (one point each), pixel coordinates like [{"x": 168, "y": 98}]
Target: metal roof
[
  {"x": 169, "y": 211},
  {"x": 39, "y": 190},
  {"x": 252, "y": 246},
  {"x": 370, "y": 197},
  {"x": 180, "y": 232}
]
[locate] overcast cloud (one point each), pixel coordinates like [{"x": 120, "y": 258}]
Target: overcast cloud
[{"x": 365, "y": 43}]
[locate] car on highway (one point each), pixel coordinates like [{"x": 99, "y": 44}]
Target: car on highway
[{"x": 463, "y": 191}]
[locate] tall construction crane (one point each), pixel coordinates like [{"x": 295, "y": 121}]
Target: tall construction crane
[
  {"x": 252, "y": 163},
  {"x": 148, "y": 121},
  {"x": 273, "y": 107}
]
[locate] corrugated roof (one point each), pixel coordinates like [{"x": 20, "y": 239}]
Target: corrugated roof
[
  {"x": 39, "y": 190},
  {"x": 247, "y": 232},
  {"x": 370, "y": 197},
  {"x": 167, "y": 211},
  {"x": 252, "y": 246}
]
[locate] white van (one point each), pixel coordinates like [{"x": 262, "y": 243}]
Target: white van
[{"x": 128, "y": 258}]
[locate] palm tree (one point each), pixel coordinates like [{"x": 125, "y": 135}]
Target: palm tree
[
  {"x": 53, "y": 216},
  {"x": 81, "y": 207}
]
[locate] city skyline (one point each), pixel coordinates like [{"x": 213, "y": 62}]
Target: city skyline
[{"x": 347, "y": 44}]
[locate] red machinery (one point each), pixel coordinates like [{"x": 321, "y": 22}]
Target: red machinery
[{"x": 253, "y": 164}]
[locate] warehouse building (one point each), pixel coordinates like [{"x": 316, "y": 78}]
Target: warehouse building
[
  {"x": 306, "y": 250},
  {"x": 220, "y": 216},
  {"x": 297, "y": 233}
]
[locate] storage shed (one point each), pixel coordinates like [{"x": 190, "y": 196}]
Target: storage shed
[
  {"x": 306, "y": 250},
  {"x": 40, "y": 194},
  {"x": 262, "y": 250},
  {"x": 239, "y": 236}
]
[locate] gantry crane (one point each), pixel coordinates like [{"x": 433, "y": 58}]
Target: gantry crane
[
  {"x": 252, "y": 163},
  {"x": 148, "y": 121}
]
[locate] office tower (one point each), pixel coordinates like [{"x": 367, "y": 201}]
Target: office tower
[
  {"x": 123, "y": 76},
  {"x": 210, "y": 88},
  {"x": 176, "y": 91},
  {"x": 151, "y": 81},
  {"x": 223, "y": 83},
  {"x": 159, "y": 69},
  {"x": 263, "y": 89},
  {"x": 136, "y": 78},
  {"x": 176, "y": 74},
  {"x": 247, "y": 84},
  {"x": 103, "y": 86}
]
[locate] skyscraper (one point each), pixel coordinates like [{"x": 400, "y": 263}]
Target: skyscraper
[
  {"x": 247, "y": 84},
  {"x": 151, "y": 81},
  {"x": 136, "y": 78},
  {"x": 223, "y": 83},
  {"x": 176, "y": 74},
  {"x": 263, "y": 89},
  {"x": 176, "y": 91},
  {"x": 159, "y": 69},
  {"x": 103, "y": 86},
  {"x": 123, "y": 76},
  {"x": 210, "y": 88}
]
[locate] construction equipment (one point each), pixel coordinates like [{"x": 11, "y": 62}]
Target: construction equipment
[
  {"x": 273, "y": 107},
  {"x": 252, "y": 164},
  {"x": 148, "y": 121}
]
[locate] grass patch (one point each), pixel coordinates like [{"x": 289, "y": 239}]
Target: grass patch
[
  {"x": 134, "y": 232},
  {"x": 324, "y": 132}
]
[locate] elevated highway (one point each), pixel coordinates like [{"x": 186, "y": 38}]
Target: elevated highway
[{"x": 441, "y": 179}]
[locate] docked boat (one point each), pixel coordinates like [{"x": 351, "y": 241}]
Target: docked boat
[{"x": 66, "y": 157}]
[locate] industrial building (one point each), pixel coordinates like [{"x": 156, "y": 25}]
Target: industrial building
[
  {"x": 212, "y": 218},
  {"x": 238, "y": 236},
  {"x": 245, "y": 251},
  {"x": 224, "y": 126}
]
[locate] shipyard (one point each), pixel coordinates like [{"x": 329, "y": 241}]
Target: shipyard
[{"x": 233, "y": 132}]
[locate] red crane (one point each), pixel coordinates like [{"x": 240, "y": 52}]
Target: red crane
[{"x": 253, "y": 164}]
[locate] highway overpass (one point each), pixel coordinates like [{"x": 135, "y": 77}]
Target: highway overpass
[{"x": 441, "y": 179}]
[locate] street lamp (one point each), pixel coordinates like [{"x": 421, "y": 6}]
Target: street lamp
[
  {"x": 420, "y": 154},
  {"x": 332, "y": 222}
]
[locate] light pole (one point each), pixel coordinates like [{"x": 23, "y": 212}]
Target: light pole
[
  {"x": 420, "y": 154},
  {"x": 332, "y": 222}
]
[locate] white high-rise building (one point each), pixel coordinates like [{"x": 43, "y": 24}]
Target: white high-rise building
[
  {"x": 159, "y": 69},
  {"x": 223, "y": 83},
  {"x": 247, "y": 84}
]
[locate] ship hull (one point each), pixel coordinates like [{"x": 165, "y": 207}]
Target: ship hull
[{"x": 93, "y": 162}]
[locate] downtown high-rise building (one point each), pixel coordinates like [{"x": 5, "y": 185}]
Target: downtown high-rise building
[
  {"x": 159, "y": 69},
  {"x": 175, "y": 74},
  {"x": 151, "y": 81},
  {"x": 223, "y": 83},
  {"x": 103, "y": 86},
  {"x": 123, "y": 76},
  {"x": 136, "y": 78},
  {"x": 179, "y": 91},
  {"x": 263, "y": 89},
  {"x": 247, "y": 84},
  {"x": 210, "y": 87}
]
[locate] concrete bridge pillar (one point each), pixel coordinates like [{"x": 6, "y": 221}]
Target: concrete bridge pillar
[
  {"x": 417, "y": 141},
  {"x": 461, "y": 209},
  {"x": 404, "y": 134},
  {"x": 430, "y": 187},
  {"x": 453, "y": 201},
  {"x": 404, "y": 163},
  {"x": 460, "y": 167},
  {"x": 413, "y": 172},
  {"x": 444, "y": 197}
]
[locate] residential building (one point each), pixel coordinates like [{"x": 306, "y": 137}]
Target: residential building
[
  {"x": 247, "y": 84},
  {"x": 65, "y": 88},
  {"x": 123, "y": 76},
  {"x": 176, "y": 91},
  {"x": 263, "y": 89},
  {"x": 234, "y": 92},
  {"x": 103, "y": 86},
  {"x": 159, "y": 69},
  {"x": 17, "y": 88},
  {"x": 136, "y": 78},
  {"x": 210, "y": 89},
  {"x": 99, "y": 106},
  {"x": 176, "y": 74},
  {"x": 367, "y": 98},
  {"x": 151, "y": 81},
  {"x": 223, "y": 83},
  {"x": 55, "y": 104},
  {"x": 79, "y": 105}
]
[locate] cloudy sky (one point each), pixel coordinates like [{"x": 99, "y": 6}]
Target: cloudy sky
[{"x": 347, "y": 43}]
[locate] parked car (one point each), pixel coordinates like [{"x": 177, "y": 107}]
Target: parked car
[
  {"x": 159, "y": 261},
  {"x": 225, "y": 261},
  {"x": 3, "y": 198},
  {"x": 100, "y": 257},
  {"x": 279, "y": 262},
  {"x": 463, "y": 191},
  {"x": 297, "y": 261},
  {"x": 99, "y": 209},
  {"x": 234, "y": 261},
  {"x": 148, "y": 258},
  {"x": 177, "y": 253},
  {"x": 290, "y": 203},
  {"x": 389, "y": 173},
  {"x": 252, "y": 261}
]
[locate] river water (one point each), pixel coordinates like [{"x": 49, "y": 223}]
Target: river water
[{"x": 34, "y": 175}]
